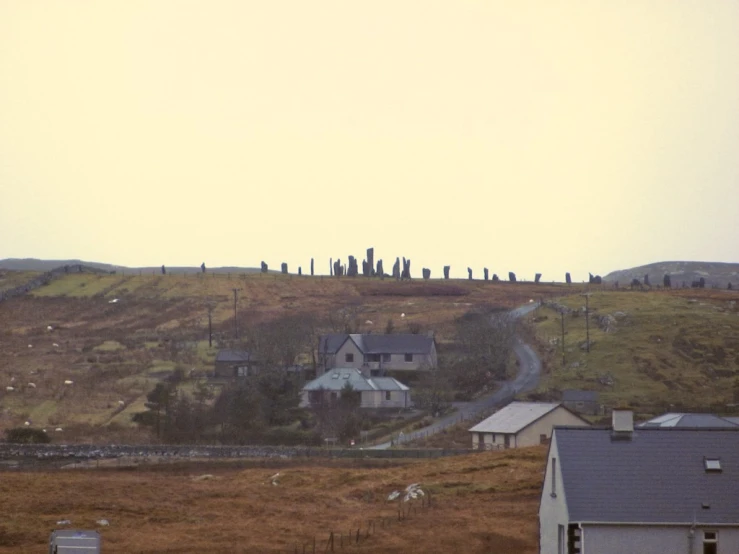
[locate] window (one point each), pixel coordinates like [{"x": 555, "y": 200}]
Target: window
[
  {"x": 373, "y": 357},
  {"x": 334, "y": 396},
  {"x": 349, "y": 357},
  {"x": 561, "y": 539},
  {"x": 543, "y": 438},
  {"x": 712, "y": 465},
  {"x": 710, "y": 542},
  {"x": 554, "y": 477},
  {"x": 387, "y": 395},
  {"x": 386, "y": 357},
  {"x": 409, "y": 357}
]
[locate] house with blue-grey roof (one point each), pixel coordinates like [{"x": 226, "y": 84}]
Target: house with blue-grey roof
[
  {"x": 375, "y": 392},
  {"x": 377, "y": 353},
  {"x": 647, "y": 490}
]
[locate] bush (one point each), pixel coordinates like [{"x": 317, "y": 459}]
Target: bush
[{"x": 26, "y": 435}]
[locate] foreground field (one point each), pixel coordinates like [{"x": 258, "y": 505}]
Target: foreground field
[
  {"x": 482, "y": 503},
  {"x": 654, "y": 351},
  {"x": 115, "y": 352}
]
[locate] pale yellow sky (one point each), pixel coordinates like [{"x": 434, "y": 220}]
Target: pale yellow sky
[{"x": 529, "y": 136}]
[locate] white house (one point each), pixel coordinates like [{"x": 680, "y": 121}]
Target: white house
[
  {"x": 375, "y": 392},
  {"x": 649, "y": 490},
  {"x": 377, "y": 353},
  {"x": 522, "y": 424}
]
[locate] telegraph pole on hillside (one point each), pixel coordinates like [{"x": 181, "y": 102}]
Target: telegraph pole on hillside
[
  {"x": 587, "y": 323},
  {"x": 562, "y": 317},
  {"x": 210, "y": 324},
  {"x": 236, "y": 323}
]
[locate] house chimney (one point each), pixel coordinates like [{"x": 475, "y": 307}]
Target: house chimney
[{"x": 623, "y": 422}]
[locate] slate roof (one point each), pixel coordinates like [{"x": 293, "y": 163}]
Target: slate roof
[
  {"x": 336, "y": 379},
  {"x": 379, "y": 344},
  {"x": 228, "y": 355},
  {"x": 657, "y": 476},
  {"x": 688, "y": 421},
  {"x": 574, "y": 395},
  {"x": 514, "y": 417}
]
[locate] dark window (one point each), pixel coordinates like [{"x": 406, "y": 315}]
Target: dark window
[
  {"x": 373, "y": 357},
  {"x": 334, "y": 396},
  {"x": 386, "y": 357},
  {"x": 387, "y": 395},
  {"x": 409, "y": 357},
  {"x": 349, "y": 357},
  {"x": 543, "y": 439},
  {"x": 710, "y": 542}
]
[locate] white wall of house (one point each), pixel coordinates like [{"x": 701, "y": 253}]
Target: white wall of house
[
  {"x": 617, "y": 539},
  {"x": 492, "y": 441},
  {"x": 369, "y": 399},
  {"x": 553, "y": 509},
  {"x": 532, "y": 434},
  {"x": 397, "y": 362}
]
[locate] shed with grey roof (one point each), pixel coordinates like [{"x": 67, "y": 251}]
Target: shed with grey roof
[
  {"x": 651, "y": 490},
  {"x": 522, "y": 424},
  {"x": 581, "y": 401},
  {"x": 231, "y": 363}
]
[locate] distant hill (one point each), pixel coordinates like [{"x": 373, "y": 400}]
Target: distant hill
[
  {"x": 715, "y": 273},
  {"x": 33, "y": 264}
]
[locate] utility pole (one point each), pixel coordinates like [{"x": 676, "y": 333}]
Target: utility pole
[
  {"x": 236, "y": 323},
  {"x": 210, "y": 325},
  {"x": 587, "y": 323},
  {"x": 562, "y": 317}
]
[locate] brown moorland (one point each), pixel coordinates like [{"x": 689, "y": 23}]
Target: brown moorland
[{"x": 484, "y": 502}]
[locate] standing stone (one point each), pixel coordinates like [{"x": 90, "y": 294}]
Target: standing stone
[
  {"x": 702, "y": 283},
  {"x": 485, "y": 271},
  {"x": 511, "y": 277},
  {"x": 406, "y": 269},
  {"x": 667, "y": 281},
  {"x": 446, "y": 271},
  {"x": 331, "y": 266},
  {"x": 370, "y": 262},
  {"x": 568, "y": 278},
  {"x": 300, "y": 270},
  {"x": 469, "y": 273},
  {"x": 495, "y": 278},
  {"x": 284, "y": 268},
  {"x": 380, "y": 270},
  {"x": 352, "y": 270},
  {"x": 202, "y": 267},
  {"x": 264, "y": 267},
  {"x": 537, "y": 277},
  {"x": 164, "y": 271},
  {"x": 426, "y": 273},
  {"x": 311, "y": 267},
  {"x": 730, "y": 287},
  {"x": 337, "y": 268},
  {"x": 594, "y": 279},
  {"x": 646, "y": 280},
  {"x": 396, "y": 269},
  {"x": 365, "y": 268}
]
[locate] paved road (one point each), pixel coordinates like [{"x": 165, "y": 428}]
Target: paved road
[{"x": 526, "y": 380}]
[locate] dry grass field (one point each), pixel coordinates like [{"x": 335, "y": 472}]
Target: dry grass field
[
  {"x": 116, "y": 352},
  {"x": 482, "y": 503}
]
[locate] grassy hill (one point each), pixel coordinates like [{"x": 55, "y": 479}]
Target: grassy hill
[
  {"x": 115, "y": 352},
  {"x": 33, "y": 264},
  {"x": 715, "y": 273},
  {"x": 654, "y": 351}
]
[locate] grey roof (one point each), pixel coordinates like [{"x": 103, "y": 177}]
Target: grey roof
[
  {"x": 514, "y": 417},
  {"x": 229, "y": 355},
  {"x": 670, "y": 420},
  {"x": 657, "y": 476},
  {"x": 734, "y": 420},
  {"x": 574, "y": 395},
  {"x": 336, "y": 379},
  {"x": 379, "y": 344}
]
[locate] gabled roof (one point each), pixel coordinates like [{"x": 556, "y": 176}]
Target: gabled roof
[
  {"x": 229, "y": 355},
  {"x": 656, "y": 476},
  {"x": 514, "y": 417},
  {"x": 378, "y": 344},
  {"x": 688, "y": 421},
  {"x": 574, "y": 395},
  {"x": 336, "y": 379}
]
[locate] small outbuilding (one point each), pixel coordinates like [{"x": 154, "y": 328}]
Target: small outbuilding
[
  {"x": 522, "y": 424},
  {"x": 581, "y": 401},
  {"x": 234, "y": 363}
]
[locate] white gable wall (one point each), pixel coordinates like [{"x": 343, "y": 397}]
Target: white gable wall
[
  {"x": 349, "y": 347},
  {"x": 531, "y": 435},
  {"x": 552, "y": 509}
]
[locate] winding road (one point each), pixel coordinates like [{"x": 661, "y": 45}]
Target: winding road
[{"x": 527, "y": 379}]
